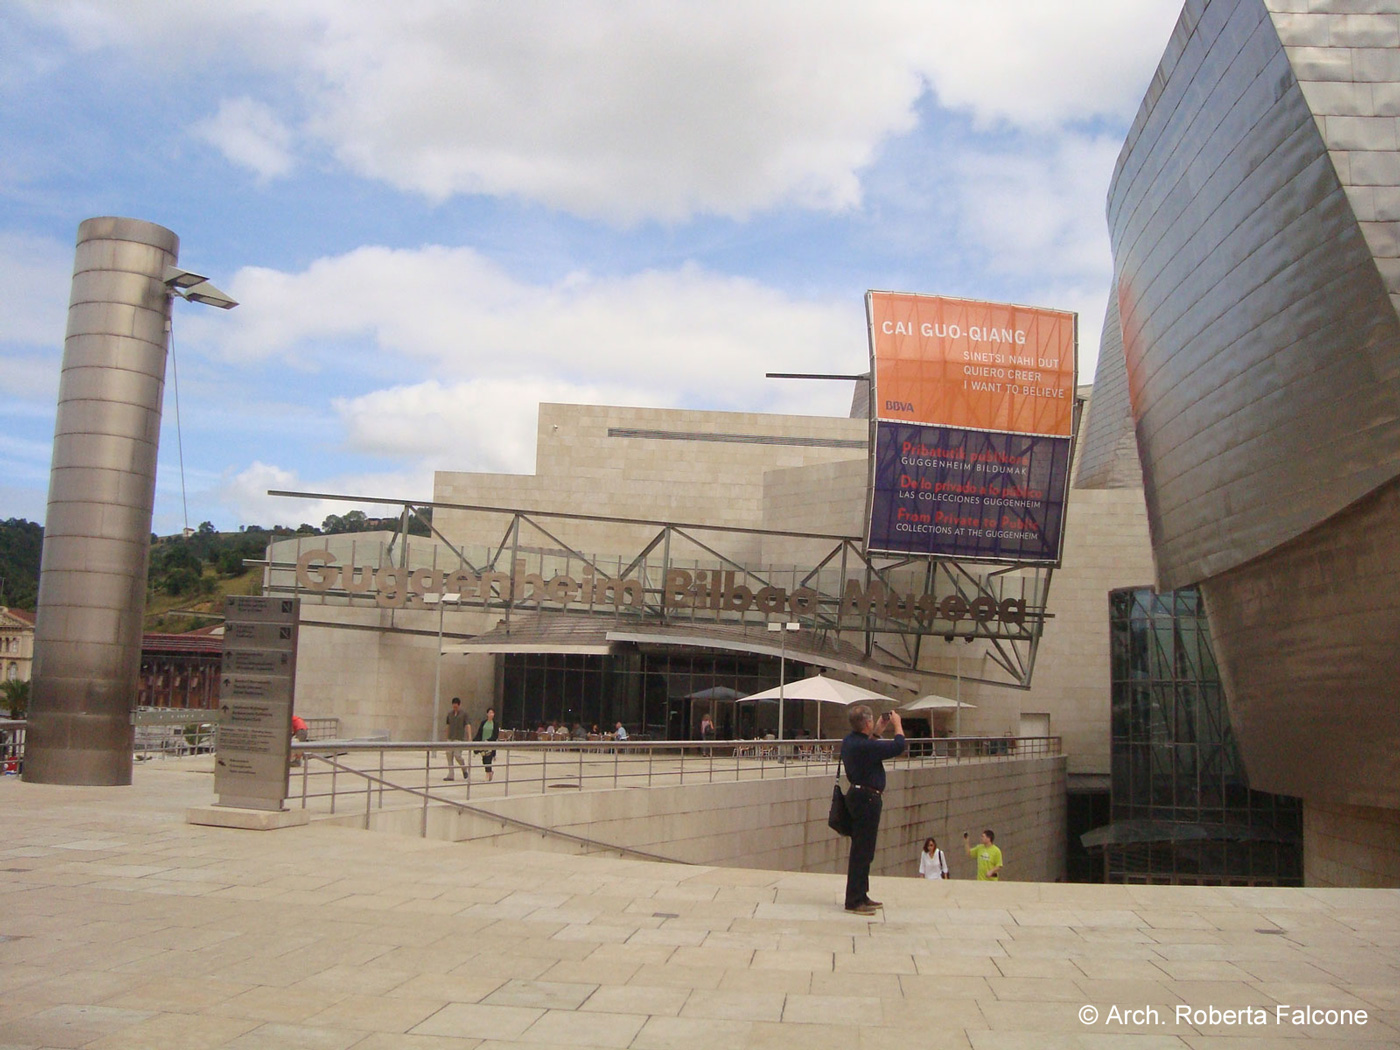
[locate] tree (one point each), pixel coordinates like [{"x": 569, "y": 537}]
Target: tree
[
  {"x": 352, "y": 521},
  {"x": 21, "y": 543},
  {"x": 16, "y": 696}
]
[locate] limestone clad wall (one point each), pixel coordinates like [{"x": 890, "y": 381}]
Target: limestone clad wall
[
  {"x": 376, "y": 680},
  {"x": 1350, "y": 845},
  {"x": 780, "y": 824},
  {"x": 659, "y": 464}
]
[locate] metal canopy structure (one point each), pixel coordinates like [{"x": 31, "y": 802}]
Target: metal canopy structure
[{"x": 691, "y": 574}]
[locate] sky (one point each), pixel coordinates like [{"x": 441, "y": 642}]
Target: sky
[{"x": 437, "y": 214}]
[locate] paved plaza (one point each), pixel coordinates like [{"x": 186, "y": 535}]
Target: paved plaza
[{"x": 121, "y": 926}]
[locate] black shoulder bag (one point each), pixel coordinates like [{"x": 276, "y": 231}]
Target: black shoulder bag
[{"x": 839, "y": 819}]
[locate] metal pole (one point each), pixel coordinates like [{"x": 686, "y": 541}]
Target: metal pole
[
  {"x": 782, "y": 685},
  {"x": 957, "y": 712},
  {"x": 437, "y": 675}
]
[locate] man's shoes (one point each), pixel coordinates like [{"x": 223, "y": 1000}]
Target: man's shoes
[
  {"x": 446, "y": 778},
  {"x": 874, "y": 904},
  {"x": 864, "y": 908}
]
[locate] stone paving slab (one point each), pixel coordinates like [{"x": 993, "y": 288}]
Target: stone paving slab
[{"x": 122, "y": 927}]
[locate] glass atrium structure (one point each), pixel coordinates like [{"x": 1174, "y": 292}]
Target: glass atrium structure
[{"x": 1182, "y": 809}]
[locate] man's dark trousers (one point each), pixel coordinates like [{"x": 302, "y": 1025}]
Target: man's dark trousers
[{"x": 864, "y": 806}]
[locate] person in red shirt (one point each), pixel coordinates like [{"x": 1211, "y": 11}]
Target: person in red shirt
[{"x": 299, "y": 732}]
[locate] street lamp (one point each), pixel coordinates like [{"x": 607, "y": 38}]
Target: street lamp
[
  {"x": 441, "y": 600},
  {"x": 195, "y": 288},
  {"x": 782, "y": 629},
  {"x": 957, "y": 714}
]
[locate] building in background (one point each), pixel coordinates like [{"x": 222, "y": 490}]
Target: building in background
[
  {"x": 181, "y": 670},
  {"x": 1255, "y": 222},
  {"x": 16, "y": 644}
]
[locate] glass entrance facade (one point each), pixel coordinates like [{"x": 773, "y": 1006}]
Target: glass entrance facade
[
  {"x": 659, "y": 693},
  {"x": 1182, "y": 809}
]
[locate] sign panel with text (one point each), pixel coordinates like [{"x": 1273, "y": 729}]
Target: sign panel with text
[
  {"x": 973, "y": 417},
  {"x": 258, "y": 683}
]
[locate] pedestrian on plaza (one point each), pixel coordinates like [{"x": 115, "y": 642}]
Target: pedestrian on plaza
[
  {"x": 932, "y": 863},
  {"x": 299, "y": 732},
  {"x": 459, "y": 730},
  {"x": 988, "y": 856},
  {"x": 707, "y": 732},
  {"x": 863, "y": 755},
  {"x": 486, "y": 732}
]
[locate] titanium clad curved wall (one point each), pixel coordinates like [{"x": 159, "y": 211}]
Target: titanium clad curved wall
[
  {"x": 92, "y": 584},
  {"x": 1262, "y": 349},
  {"x": 1109, "y": 459}
]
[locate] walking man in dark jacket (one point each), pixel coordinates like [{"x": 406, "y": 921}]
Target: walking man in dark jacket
[
  {"x": 458, "y": 731},
  {"x": 863, "y": 755}
]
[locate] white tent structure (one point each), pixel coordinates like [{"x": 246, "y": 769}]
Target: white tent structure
[{"x": 822, "y": 690}]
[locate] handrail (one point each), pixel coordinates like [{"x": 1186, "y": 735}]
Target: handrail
[
  {"x": 538, "y": 767},
  {"x": 501, "y": 817},
  {"x": 1011, "y": 743}
]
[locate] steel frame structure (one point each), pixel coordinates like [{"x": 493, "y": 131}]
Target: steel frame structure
[{"x": 897, "y": 643}]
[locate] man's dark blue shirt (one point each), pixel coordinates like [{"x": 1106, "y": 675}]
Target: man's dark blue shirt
[{"x": 863, "y": 756}]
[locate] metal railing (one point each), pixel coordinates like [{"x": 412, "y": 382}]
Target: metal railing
[
  {"x": 322, "y": 728},
  {"x": 12, "y": 746},
  {"x": 166, "y": 732},
  {"x": 172, "y": 732},
  {"x": 356, "y": 776}
]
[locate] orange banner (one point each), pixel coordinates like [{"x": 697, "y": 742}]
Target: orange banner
[{"x": 974, "y": 365}]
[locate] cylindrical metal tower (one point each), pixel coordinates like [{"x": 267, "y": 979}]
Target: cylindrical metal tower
[{"x": 92, "y": 587}]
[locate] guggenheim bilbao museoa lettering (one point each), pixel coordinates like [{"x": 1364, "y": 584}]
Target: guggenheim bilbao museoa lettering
[{"x": 713, "y": 594}]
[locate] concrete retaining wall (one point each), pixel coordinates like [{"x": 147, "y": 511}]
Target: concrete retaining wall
[{"x": 780, "y": 824}]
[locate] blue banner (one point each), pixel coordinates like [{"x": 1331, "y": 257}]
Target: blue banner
[{"x": 967, "y": 493}]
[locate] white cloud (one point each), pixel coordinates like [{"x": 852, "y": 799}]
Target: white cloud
[
  {"x": 249, "y": 133},
  {"x": 658, "y": 337},
  {"x": 35, "y": 273},
  {"x": 485, "y": 425},
  {"x": 1041, "y": 63},
  {"x": 1040, "y": 209},
  {"x": 245, "y": 494},
  {"x": 645, "y": 109}
]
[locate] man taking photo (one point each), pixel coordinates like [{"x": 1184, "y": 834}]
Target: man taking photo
[{"x": 863, "y": 754}]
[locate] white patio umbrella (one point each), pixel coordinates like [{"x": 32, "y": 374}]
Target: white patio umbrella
[
  {"x": 934, "y": 702},
  {"x": 823, "y": 690}
]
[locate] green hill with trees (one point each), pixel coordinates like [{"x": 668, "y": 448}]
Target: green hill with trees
[
  {"x": 187, "y": 576},
  {"x": 20, "y": 544}
]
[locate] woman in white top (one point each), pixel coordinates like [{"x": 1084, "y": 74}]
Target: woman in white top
[{"x": 932, "y": 863}]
